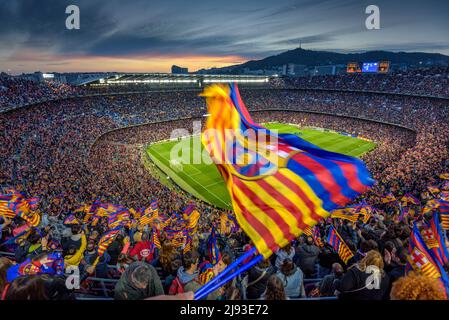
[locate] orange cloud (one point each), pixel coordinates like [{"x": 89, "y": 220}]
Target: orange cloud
[{"x": 27, "y": 61}]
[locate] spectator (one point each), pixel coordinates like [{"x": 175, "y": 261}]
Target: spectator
[
  {"x": 417, "y": 287},
  {"x": 307, "y": 256},
  {"x": 257, "y": 279},
  {"x": 287, "y": 252},
  {"x": 327, "y": 286},
  {"x": 354, "y": 284},
  {"x": 292, "y": 279},
  {"x": 275, "y": 289},
  {"x": 139, "y": 281}
]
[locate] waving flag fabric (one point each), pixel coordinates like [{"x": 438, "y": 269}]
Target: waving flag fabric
[
  {"x": 187, "y": 245},
  {"x": 335, "y": 240},
  {"x": 444, "y": 195},
  {"x": 445, "y": 186},
  {"x": 51, "y": 263},
  {"x": 154, "y": 205},
  {"x": 388, "y": 198},
  {"x": 120, "y": 218},
  {"x": 345, "y": 214},
  {"x": 14, "y": 204},
  {"x": 431, "y": 205},
  {"x": 436, "y": 239},
  {"x": 317, "y": 237},
  {"x": 444, "y": 176},
  {"x": 192, "y": 221},
  {"x": 444, "y": 214},
  {"x": 421, "y": 260},
  {"x": 308, "y": 231},
  {"x": 280, "y": 187},
  {"x": 188, "y": 210},
  {"x": 155, "y": 240},
  {"x": 5, "y": 211},
  {"x": 433, "y": 189},
  {"x": 106, "y": 239},
  {"x": 364, "y": 209},
  {"x": 408, "y": 199},
  {"x": 147, "y": 216},
  {"x": 214, "y": 251},
  {"x": 71, "y": 219}
]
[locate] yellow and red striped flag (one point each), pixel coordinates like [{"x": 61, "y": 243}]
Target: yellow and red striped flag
[
  {"x": 106, "y": 239},
  {"x": 444, "y": 176},
  {"x": 155, "y": 240}
]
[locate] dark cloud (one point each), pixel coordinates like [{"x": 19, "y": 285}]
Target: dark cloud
[{"x": 250, "y": 28}]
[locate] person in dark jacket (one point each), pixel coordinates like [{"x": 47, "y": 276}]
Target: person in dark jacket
[
  {"x": 30, "y": 247},
  {"x": 307, "y": 256},
  {"x": 365, "y": 280},
  {"x": 115, "y": 248},
  {"x": 326, "y": 259},
  {"x": 257, "y": 279},
  {"x": 327, "y": 285},
  {"x": 74, "y": 240},
  {"x": 398, "y": 262},
  {"x": 138, "y": 282}
]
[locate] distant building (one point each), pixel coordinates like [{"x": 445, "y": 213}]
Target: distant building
[
  {"x": 296, "y": 70},
  {"x": 179, "y": 70},
  {"x": 323, "y": 70},
  {"x": 284, "y": 70}
]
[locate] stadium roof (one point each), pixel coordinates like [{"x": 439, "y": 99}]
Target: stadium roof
[{"x": 169, "y": 78}]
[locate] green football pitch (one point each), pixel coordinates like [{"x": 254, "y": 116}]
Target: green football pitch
[{"x": 205, "y": 182}]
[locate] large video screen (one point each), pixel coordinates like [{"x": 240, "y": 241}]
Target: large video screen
[
  {"x": 384, "y": 66},
  {"x": 370, "y": 67},
  {"x": 353, "y": 67}
]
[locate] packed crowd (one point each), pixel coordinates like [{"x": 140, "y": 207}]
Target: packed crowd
[
  {"x": 65, "y": 153},
  {"x": 17, "y": 92},
  {"x": 431, "y": 81}
]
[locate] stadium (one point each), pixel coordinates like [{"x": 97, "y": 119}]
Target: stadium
[{"x": 89, "y": 185}]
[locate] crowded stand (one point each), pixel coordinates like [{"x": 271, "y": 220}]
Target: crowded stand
[
  {"x": 16, "y": 92},
  {"x": 78, "y": 195},
  {"x": 429, "y": 82}
]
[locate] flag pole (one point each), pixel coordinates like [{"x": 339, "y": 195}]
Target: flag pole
[
  {"x": 201, "y": 294},
  {"x": 229, "y": 268}
]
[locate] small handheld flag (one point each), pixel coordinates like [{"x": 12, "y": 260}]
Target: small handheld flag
[{"x": 335, "y": 240}]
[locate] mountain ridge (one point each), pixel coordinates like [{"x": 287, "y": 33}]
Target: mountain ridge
[{"x": 319, "y": 58}]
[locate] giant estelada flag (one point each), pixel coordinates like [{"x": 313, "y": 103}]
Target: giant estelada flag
[{"x": 279, "y": 188}]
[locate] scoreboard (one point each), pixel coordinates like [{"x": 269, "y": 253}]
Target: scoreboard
[{"x": 368, "y": 67}]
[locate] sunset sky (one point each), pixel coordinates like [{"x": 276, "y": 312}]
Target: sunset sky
[{"x": 152, "y": 35}]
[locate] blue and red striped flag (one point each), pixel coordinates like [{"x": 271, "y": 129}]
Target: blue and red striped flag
[
  {"x": 212, "y": 246},
  {"x": 281, "y": 187},
  {"x": 421, "y": 260},
  {"x": 444, "y": 214},
  {"x": 340, "y": 247},
  {"x": 434, "y": 240},
  {"x": 188, "y": 210},
  {"x": 317, "y": 237}
]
